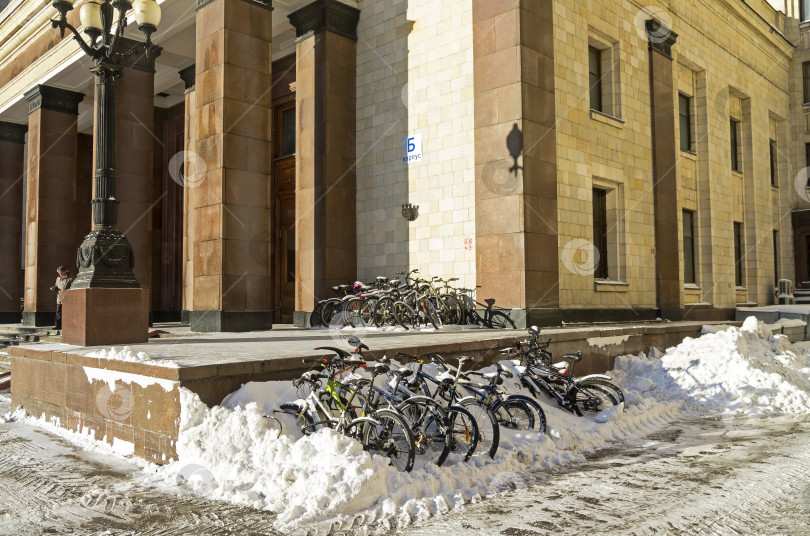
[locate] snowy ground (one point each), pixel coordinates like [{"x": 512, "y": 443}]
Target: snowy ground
[{"x": 326, "y": 483}]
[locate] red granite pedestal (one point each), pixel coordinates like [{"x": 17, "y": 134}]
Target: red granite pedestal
[{"x": 105, "y": 316}]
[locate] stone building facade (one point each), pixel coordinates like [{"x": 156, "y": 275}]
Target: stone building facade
[{"x": 578, "y": 160}]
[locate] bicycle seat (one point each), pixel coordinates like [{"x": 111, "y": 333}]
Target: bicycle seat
[
  {"x": 575, "y": 357},
  {"x": 394, "y": 282},
  {"x": 360, "y": 382},
  {"x": 338, "y": 351},
  {"x": 344, "y": 287},
  {"x": 490, "y": 302},
  {"x": 380, "y": 368},
  {"x": 382, "y": 278},
  {"x": 403, "y": 354},
  {"x": 506, "y": 350}
]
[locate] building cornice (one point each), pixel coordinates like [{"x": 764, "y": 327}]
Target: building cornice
[
  {"x": 133, "y": 55},
  {"x": 266, "y": 4},
  {"x": 325, "y": 15},
  {"x": 189, "y": 76},
  {"x": 12, "y": 132},
  {"x": 52, "y": 98}
]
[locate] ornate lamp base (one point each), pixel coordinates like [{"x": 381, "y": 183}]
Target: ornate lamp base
[{"x": 105, "y": 260}]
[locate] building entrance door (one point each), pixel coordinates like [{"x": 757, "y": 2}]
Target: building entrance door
[{"x": 284, "y": 215}]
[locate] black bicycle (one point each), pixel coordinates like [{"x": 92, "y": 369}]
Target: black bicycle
[
  {"x": 589, "y": 394},
  {"x": 516, "y": 412}
]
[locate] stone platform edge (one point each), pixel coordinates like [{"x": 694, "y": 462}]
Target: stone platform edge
[{"x": 141, "y": 415}]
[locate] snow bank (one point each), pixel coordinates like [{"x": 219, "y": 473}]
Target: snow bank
[
  {"x": 735, "y": 370},
  {"x": 232, "y": 452}
]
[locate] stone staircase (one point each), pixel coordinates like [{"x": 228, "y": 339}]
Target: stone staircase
[
  {"x": 15, "y": 336},
  {"x": 802, "y": 295}
]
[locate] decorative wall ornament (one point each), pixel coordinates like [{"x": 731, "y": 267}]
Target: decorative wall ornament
[
  {"x": 660, "y": 37},
  {"x": 410, "y": 212}
]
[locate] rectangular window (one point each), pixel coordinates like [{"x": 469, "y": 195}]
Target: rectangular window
[
  {"x": 806, "y": 81},
  {"x": 804, "y": 10},
  {"x": 685, "y": 117},
  {"x": 688, "y": 247},
  {"x": 738, "y": 254},
  {"x": 287, "y": 132},
  {"x": 774, "y": 160},
  {"x": 600, "y": 233},
  {"x": 595, "y": 78},
  {"x": 735, "y": 145},
  {"x": 776, "y": 257}
]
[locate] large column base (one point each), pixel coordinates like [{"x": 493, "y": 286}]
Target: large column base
[
  {"x": 219, "y": 321},
  {"x": 105, "y": 316}
]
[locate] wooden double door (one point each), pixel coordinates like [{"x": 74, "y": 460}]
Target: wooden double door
[{"x": 284, "y": 215}]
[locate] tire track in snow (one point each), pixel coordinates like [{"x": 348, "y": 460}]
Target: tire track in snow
[{"x": 700, "y": 480}]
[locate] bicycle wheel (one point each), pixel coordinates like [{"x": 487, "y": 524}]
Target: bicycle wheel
[
  {"x": 432, "y": 315},
  {"x": 428, "y": 424},
  {"x": 367, "y": 311},
  {"x": 612, "y": 388},
  {"x": 384, "y": 312},
  {"x": 316, "y": 318},
  {"x": 539, "y": 414},
  {"x": 351, "y": 312},
  {"x": 464, "y": 432},
  {"x": 405, "y": 315},
  {"x": 489, "y": 433},
  {"x": 328, "y": 311},
  {"x": 592, "y": 398},
  {"x": 499, "y": 320},
  {"x": 452, "y": 312},
  {"x": 390, "y": 437},
  {"x": 514, "y": 415}
]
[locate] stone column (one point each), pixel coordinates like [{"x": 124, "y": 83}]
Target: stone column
[
  {"x": 325, "y": 160},
  {"x": 515, "y": 157},
  {"x": 665, "y": 179},
  {"x": 189, "y": 187},
  {"x": 134, "y": 123},
  {"x": 232, "y": 281},
  {"x": 12, "y": 174},
  {"x": 50, "y": 217}
]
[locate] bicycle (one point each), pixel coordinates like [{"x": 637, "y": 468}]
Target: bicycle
[
  {"x": 589, "y": 394},
  {"x": 383, "y": 431},
  {"x": 446, "y": 389},
  {"x": 516, "y": 412},
  {"x": 428, "y": 421},
  {"x": 494, "y": 318}
]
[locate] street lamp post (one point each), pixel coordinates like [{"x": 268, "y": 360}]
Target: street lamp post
[{"x": 105, "y": 258}]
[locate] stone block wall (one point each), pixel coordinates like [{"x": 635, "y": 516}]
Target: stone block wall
[{"x": 415, "y": 77}]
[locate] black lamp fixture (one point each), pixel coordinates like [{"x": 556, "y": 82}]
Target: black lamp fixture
[{"x": 105, "y": 258}]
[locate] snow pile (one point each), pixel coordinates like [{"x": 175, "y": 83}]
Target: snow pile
[
  {"x": 235, "y": 454},
  {"x": 126, "y": 354},
  {"x": 249, "y": 464},
  {"x": 735, "y": 370}
]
